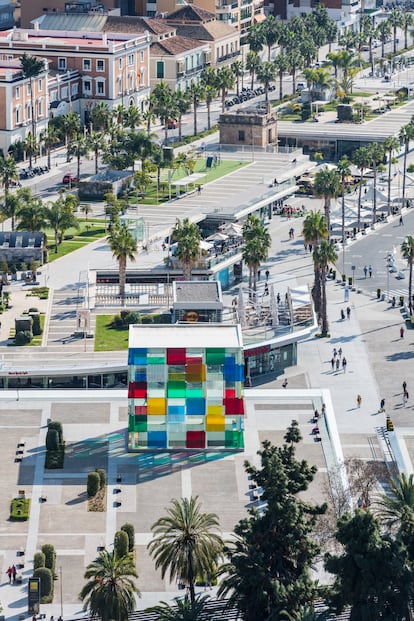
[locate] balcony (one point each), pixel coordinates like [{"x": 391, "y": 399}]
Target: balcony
[{"x": 227, "y": 57}]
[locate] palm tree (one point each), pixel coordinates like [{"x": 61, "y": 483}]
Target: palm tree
[
  {"x": 253, "y": 62},
  {"x": 390, "y": 145},
  {"x": 383, "y": 31},
  {"x": 407, "y": 251},
  {"x": 256, "y": 38},
  {"x": 406, "y": 134},
  {"x": 257, "y": 242},
  {"x": 308, "y": 613},
  {"x": 343, "y": 171},
  {"x": 237, "y": 69},
  {"x": 182, "y": 105},
  {"x": 132, "y": 117},
  {"x": 149, "y": 115},
  {"x": 225, "y": 81},
  {"x": 31, "y": 68},
  {"x": 8, "y": 174},
  {"x": 71, "y": 127},
  {"x": 123, "y": 247},
  {"x": 210, "y": 95},
  {"x": 308, "y": 50},
  {"x": 49, "y": 137},
  {"x": 188, "y": 237},
  {"x": 323, "y": 256},
  {"x": 327, "y": 185},
  {"x": 96, "y": 143},
  {"x": 399, "y": 500},
  {"x": 295, "y": 63},
  {"x": 314, "y": 231},
  {"x": 271, "y": 31},
  {"x": 32, "y": 214},
  {"x": 281, "y": 64},
  {"x": 100, "y": 117},
  {"x": 60, "y": 217},
  {"x": 396, "y": 21},
  {"x": 110, "y": 593},
  {"x": 31, "y": 147},
  {"x": 182, "y": 610},
  {"x": 196, "y": 93},
  {"x": 184, "y": 543},
  {"x": 406, "y": 21},
  {"x": 331, "y": 32},
  {"x": 78, "y": 147},
  {"x": 164, "y": 105},
  {"x": 376, "y": 152},
  {"x": 266, "y": 74},
  {"x": 361, "y": 158}
]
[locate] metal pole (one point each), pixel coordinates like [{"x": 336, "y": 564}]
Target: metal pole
[{"x": 61, "y": 592}]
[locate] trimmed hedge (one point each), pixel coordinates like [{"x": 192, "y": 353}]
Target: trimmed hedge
[
  {"x": 20, "y": 509},
  {"x": 93, "y": 484},
  {"x": 102, "y": 477},
  {"x": 130, "y": 531},
  {"x": 52, "y": 440},
  {"x": 39, "y": 560},
  {"x": 55, "y": 459},
  {"x": 50, "y": 557},
  {"x": 46, "y": 584},
  {"x": 121, "y": 543}
]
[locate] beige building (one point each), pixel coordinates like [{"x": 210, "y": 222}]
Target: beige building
[
  {"x": 32, "y": 9},
  {"x": 112, "y": 68},
  {"x": 15, "y": 103},
  {"x": 256, "y": 127}
]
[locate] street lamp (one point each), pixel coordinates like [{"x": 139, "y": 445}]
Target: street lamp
[{"x": 61, "y": 592}]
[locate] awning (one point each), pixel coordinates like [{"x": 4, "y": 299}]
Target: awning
[{"x": 259, "y": 18}]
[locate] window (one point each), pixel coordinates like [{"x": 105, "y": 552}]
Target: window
[
  {"x": 142, "y": 56},
  {"x": 28, "y": 89},
  {"x": 17, "y": 115},
  {"x": 39, "y": 85},
  {"x": 53, "y": 96},
  {"x": 17, "y": 92},
  {"x": 28, "y": 113},
  {"x": 87, "y": 64},
  {"x": 131, "y": 59},
  {"x": 100, "y": 65},
  {"x": 64, "y": 92},
  {"x": 119, "y": 86},
  {"x": 100, "y": 88},
  {"x": 40, "y": 108},
  {"x": 74, "y": 89},
  {"x": 160, "y": 69},
  {"x": 87, "y": 86},
  {"x": 120, "y": 63},
  {"x": 241, "y": 135},
  {"x": 62, "y": 64}
]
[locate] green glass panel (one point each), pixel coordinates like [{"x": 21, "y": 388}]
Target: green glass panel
[
  {"x": 156, "y": 360},
  {"x": 194, "y": 393},
  {"x": 215, "y": 356},
  {"x": 176, "y": 393}
]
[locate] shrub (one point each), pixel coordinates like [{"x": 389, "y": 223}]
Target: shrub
[
  {"x": 146, "y": 319},
  {"x": 52, "y": 440},
  {"x": 130, "y": 531},
  {"x": 54, "y": 459},
  {"x": 19, "y": 509},
  {"x": 36, "y": 328},
  {"x": 102, "y": 477},
  {"x": 121, "y": 543},
  {"x": 50, "y": 556},
  {"x": 33, "y": 309},
  {"x": 23, "y": 337},
  {"x": 39, "y": 560},
  {"x": 55, "y": 424},
  {"x": 93, "y": 483},
  {"x": 46, "y": 581}
]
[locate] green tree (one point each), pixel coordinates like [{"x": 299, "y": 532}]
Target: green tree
[
  {"x": 60, "y": 217},
  {"x": 376, "y": 153},
  {"x": 186, "y": 543},
  {"x": 323, "y": 256},
  {"x": 271, "y": 31},
  {"x": 182, "y": 105},
  {"x": 406, "y": 134},
  {"x": 407, "y": 20},
  {"x": 96, "y": 143},
  {"x": 50, "y": 138},
  {"x": 225, "y": 82},
  {"x": 211, "y": 93},
  {"x": 188, "y": 237},
  {"x": 371, "y": 575},
  {"x": 123, "y": 247},
  {"x": 31, "y": 147},
  {"x": 344, "y": 171},
  {"x": 31, "y": 67},
  {"x": 256, "y": 38},
  {"x": 110, "y": 593},
  {"x": 396, "y": 21},
  {"x": 196, "y": 93},
  {"x": 164, "y": 105},
  {"x": 281, "y": 65},
  {"x": 100, "y": 117},
  {"x": 393, "y": 506},
  {"x": 32, "y": 214},
  {"x": 307, "y": 613},
  {"x": 182, "y": 609},
  {"x": 132, "y": 117},
  {"x": 407, "y": 251},
  {"x": 383, "y": 32},
  {"x": 295, "y": 63},
  {"x": 314, "y": 231},
  {"x": 8, "y": 174},
  {"x": 272, "y": 553},
  {"x": 390, "y": 145},
  {"x": 79, "y": 147},
  {"x": 257, "y": 242},
  {"x": 253, "y": 62},
  {"x": 71, "y": 126},
  {"x": 362, "y": 159},
  {"x": 237, "y": 69},
  {"x": 266, "y": 74},
  {"x": 327, "y": 185}
]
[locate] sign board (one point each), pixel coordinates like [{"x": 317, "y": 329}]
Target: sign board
[{"x": 33, "y": 587}]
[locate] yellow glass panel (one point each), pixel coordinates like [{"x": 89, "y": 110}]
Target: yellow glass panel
[
  {"x": 215, "y": 410},
  {"x": 157, "y": 406},
  {"x": 215, "y": 423}
]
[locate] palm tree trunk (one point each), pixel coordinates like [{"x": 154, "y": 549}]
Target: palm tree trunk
[
  {"x": 56, "y": 240},
  {"x": 293, "y": 81},
  {"x": 389, "y": 182},
  {"x": 49, "y": 149},
  {"x": 252, "y": 83},
  {"x": 324, "y": 311},
  {"x": 96, "y": 162},
  {"x": 374, "y": 208},
  {"x": 78, "y": 165},
  {"x": 208, "y": 115},
  {"x": 343, "y": 215},
  {"x": 410, "y": 288},
  {"x": 195, "y": 115},
  {"x": 327, "y": 209},
  {"x": 359, "y": 199},
  {"x": 122, "y": 278},
  {"x": 166, "y": 133},
  {"x": 180, "y": 127},
  {"x": 281, "y": 85},
  {"x": 404, "y": 174}
]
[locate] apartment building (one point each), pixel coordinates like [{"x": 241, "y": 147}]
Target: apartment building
[
  {"x": 345, "y": 12},
  {"x": 33, "y": 9},
  {"x": 112, "y": 68},
  {"x": 15, "y": 103}
]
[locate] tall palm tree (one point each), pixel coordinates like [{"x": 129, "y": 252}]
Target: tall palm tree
[
  {"x": 182, "y": 105},
  {"x": 253, "y": 62},
  {"x": 96, "y": 143},
  {"x": 362, "y": 159},
  {"x": 8, "y": 174},
  {"x": 100, "y": 117},
  {"x": 390, "y": 145},
  {"x": 406, "y": 134},
  {"x": 399, "y": 499},
  {"x": 266, "y": 74},
  {"x": 376, "y": 152},
  {"x": 257, "y": 242},
  {"x": 149, "y": 115},
  {"x": 295, "y": 63},
  {"x": 60, "y": 217},
  {"x": 123, "y": 247},
  {"x": 323, "y": 256},
  {"x": 188, "y": 237},
  {"x": 407, "y": 251},
  {"x": 327, "y": 185},
  {"x": 225, "y": 81},
  {"x": 196, "y": 93},
  {"x": 31, "y": 68},
  {"x": 32, "y": 215},
  {"x": 271, "y": 31},
  {"x": 50, "y": 138},
  {"x": 383, "y": 32},
  {"x": 281, "y": 64},
  {"x": 396, "y": 21},
  {"x": 406, "y": 22},
  {"x": 314, "y": 231},
  {"x": 164, "y": 105},
  {"x": 71, "y": 128},
  {"x": 211, "y": 93},
  {"x": 186, "y": 543},
  {"x": 110, "y": 593},
  {"x": 344, "y": 171},
  {"x": 237, "y": 69},
  {"x": 79, "y": 147},
  {"x": 182, "y": 609},
  {"x": 256, "y": 38},
  {"x": 132, "y": 117}
]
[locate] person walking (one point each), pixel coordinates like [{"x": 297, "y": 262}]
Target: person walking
[
  {"x": 401, "y": 220},
  {"x": 340, "y": 352},
  {"x": 334, "y": 353},
  {"x": 344, "y": 363},
  {"x": 332, "y": 363},
  {"x": 365, "y": 270},
  {"x": 401, "y": 332},
  {"x": 267, "y": 274},
  {"x": 370, "y": 271},
  {"x": 348, "y": 312},
  {"x": 404, "y": 386},
  {"x": 337, "y": 364},
  {"x": 9, "y": 572},
  {"x": 359, "y": 400},
  {"x": 405, "y": 399},
  {"x": 285, "y": 383},
  {"x": 382, "y": 405}
]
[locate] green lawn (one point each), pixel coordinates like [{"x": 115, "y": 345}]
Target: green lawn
[
  {"x": 108, "y": 338},
  {"x": 225, "y": 167},
  {"x": 89, "y": 231}
]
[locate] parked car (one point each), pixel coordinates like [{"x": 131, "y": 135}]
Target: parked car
[
  {"x": 300, "y": 86},
  {"x": 69, "y": 178},
  {"x": 172, "y": 124}
]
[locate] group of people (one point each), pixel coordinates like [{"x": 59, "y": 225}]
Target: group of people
[
  {"x": 338, "y": 360},
  {"x": 12, "y": 573},
  {"x": 368, "y": 270},
  {"x": 348, "y": 313}
]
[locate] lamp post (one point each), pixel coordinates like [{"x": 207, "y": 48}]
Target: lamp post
[{"x": 61, "y": 592}]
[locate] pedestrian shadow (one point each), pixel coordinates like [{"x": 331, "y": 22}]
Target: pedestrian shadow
[{"x": 403, "y": 355}]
